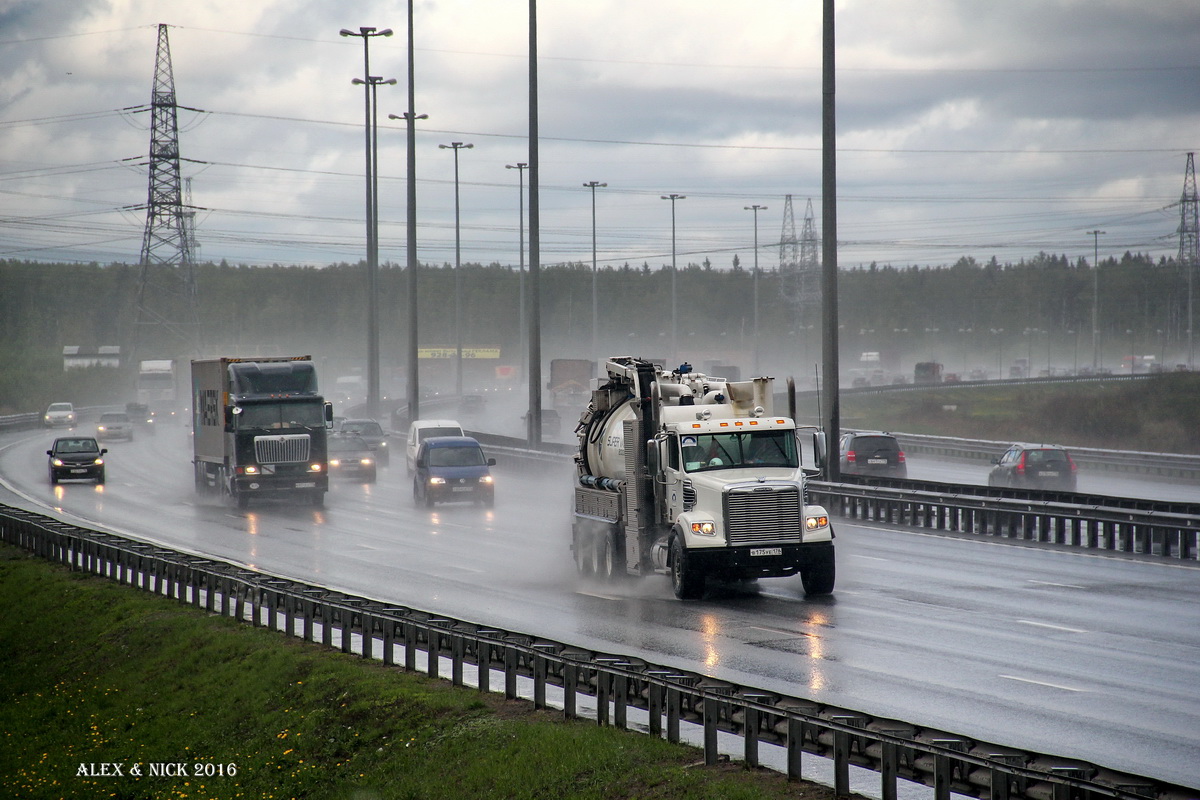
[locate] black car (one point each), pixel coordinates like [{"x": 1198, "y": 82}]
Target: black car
[
  {"x": 1035, "y": 466},
  {"x": 876, "y": 454},
  {"x": 74, "y": 457},
  {"x": 351, "y": 457},
  {"x": 373, "y": 433}
]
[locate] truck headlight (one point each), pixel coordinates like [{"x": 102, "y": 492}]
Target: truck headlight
[
  {"x": 251, "y": 470},
  {"x": 315, "y": 467},
  {"x": 813, "y": 523},
  {"x": 704, "y": 528}
]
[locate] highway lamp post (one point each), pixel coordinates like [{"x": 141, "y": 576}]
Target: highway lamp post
[
  {"x": 756, "y": 208},
  {"x": 1096, "y": 360},
  {"x": 674, "y": 294},
  {"x": 458, "y": 372},
  {"x": 410, "y": 120},
  {"x": 595, "y": 305},
  {"x": 999, "y": 334},
  {"x": 372, "y": 211},
  {"x": 520, "y": 167}
]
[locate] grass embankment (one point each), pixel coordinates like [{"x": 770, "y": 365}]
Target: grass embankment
[
  {"x": 95, "y": 673},
  {"x": 1159, "y": 415}
]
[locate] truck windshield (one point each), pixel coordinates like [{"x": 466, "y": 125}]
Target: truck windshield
[
  {"x": 732, "y": 450},
  {"x": 276, "y": 416}
]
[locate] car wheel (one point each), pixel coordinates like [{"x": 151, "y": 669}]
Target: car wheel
[
  {"x": 686, "y": 582},
  {"x": 100, "y": 479},
  {"x": 53, "y": 479}
]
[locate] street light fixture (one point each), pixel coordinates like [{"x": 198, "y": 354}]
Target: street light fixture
[
  {"x": 755, "y": 208},
  {"x": 458, "y": 376},
  {"x": 368, "y": 83},
  {"x": 674, "y": 305},
  {"x": 520, "y": 167},
  {"x": 1095, "y": 298},
  {"x": 595, "y": 313}
]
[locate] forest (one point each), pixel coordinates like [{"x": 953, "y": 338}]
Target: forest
[{"x": 971, "y": 316}]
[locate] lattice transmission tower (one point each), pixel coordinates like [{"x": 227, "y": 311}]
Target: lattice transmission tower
[
  {"x": 799, "y": 267},
  {"x": 166, "y": 301},
  {"x": 1189, "y": 245}
]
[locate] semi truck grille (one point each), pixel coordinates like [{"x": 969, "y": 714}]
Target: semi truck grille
[
  {"x": 284, "y": 449},
  {"x": 763, "y": 515}
]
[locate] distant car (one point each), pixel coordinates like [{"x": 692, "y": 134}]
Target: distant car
[
  {"x": 470, "y": 404},
  {"x": 114, "y": 425},
  {"x": 373, "y": 433},
  {"x": 76, "y": 457},
  {"x": 141, "y": 416},
  {"x": 423, "y": 429},
  {"x": 60, "y": 415},
  {"x": 351, "y": 457},
  {"x": 451, "y": 468},
  {"x": 1035, "y": 466},
  {"x": 877, "y": 454}
]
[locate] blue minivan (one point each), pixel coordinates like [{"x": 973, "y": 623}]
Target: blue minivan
[{"x": 453, "y": 468}]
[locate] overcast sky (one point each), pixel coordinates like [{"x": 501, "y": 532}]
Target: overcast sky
[{"x": 965, "y": 128}]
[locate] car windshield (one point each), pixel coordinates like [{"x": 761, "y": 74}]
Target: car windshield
[
  {"x": 346, "y": 444},
  {"x": 114, "y": 418},
  {"x": 465, "y": 456},
  {"x": 363, "y": 428},
  {"x": 724, "y": 450},
  {"x": 59, "y": 407},
  {"x": 76, "y": 446},
  {"x": 429, "y": 433}
]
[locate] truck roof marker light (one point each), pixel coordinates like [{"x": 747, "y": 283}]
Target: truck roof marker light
[{"x": 724, "y": 424}]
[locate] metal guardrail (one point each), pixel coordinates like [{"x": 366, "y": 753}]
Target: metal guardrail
[
  {"x": 1146, "y": 532},
  {"x": 400, "y": 636}
]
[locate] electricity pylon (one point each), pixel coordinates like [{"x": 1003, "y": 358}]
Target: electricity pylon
[
  {"x": 166, "y": 301},
  {"x": 1189, "y": 245}
]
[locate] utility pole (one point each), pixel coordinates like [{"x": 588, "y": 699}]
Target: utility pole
[
  {"x": 595, "y": 312},
  {"x": 755, "y": 208},
  {"x": 1095, "y": 298},
  {"x": 520, "y": 167},
  {"x": 1189, "y": 247},
  {"x": 370, "y": 85},
  {"x": 458, "y": 369},
  {"x": 674, "y": 272}
]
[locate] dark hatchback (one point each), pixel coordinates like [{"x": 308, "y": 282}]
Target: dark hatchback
[
  {"x": 374, "y": 435},
  {"x": 76, "y": 457},
  {"x": 453, "y": 468},
  {"x": 876, "y": 454},
  {"x": 1035, "y": 466},
  {"x": 351, "y": 457}
]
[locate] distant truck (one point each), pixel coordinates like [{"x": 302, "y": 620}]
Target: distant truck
[
  {"x": 158, "y": 388},
  {"x": 927, "y": 372},
  {"x": 569, "y": 380},
  {"x": 260, "y": 429},
  {"x": 695, "y": 477}
]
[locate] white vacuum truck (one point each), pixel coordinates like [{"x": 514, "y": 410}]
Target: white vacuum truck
[{"x": 695, "y": 477}]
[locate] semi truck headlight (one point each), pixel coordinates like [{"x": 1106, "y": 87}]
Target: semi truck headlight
[
  {"x": 314, "y": 467},
  {"x": 704, "y": 528},
  {"x": 251, "y": 470},
  {"x": 813, "y": 523}
]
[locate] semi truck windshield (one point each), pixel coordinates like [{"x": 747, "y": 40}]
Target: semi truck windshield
[
  {"x": 725, "y": 450},
  {"x": 276, "y": 416}
]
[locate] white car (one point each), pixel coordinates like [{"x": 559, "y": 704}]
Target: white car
[
  {"x": 114, "y": 425},
  {"x": 60, "y": 415},
  {"x": 423, "y": 429}
]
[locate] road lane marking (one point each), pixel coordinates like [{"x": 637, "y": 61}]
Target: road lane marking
[
  {"x": 1044, "y": 683},
  {"x": 1051, "y": 627},
  {"x": 1060, "y": 585}
]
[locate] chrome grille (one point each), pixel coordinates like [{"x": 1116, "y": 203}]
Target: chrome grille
[
  {"x": 284, "y": 449},
  {"x": 689, "y": 496},
  {"x": 763, "y": 515}
]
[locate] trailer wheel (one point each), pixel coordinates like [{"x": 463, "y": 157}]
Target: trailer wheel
[
  {"x": 687, "y": 583},
  {"x": 582, "y": 551}
]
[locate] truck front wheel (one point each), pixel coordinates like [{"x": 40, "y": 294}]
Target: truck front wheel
[
  {"x": 818, "y": 578},
  {"x": 687, "y": 582}
]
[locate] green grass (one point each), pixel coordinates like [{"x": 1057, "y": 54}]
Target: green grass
[
  {"x": 1155, "y": 415},
  {"x": 98, "y": 673}
]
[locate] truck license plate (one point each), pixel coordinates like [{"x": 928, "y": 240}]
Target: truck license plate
[
  {"x": 766, "y": 551},
  {"x": 306, "y": 485}
]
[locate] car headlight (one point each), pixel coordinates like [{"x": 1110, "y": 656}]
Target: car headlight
[
  {"x": 99, "y": 462},
  {"x": 436, "y": 481},
  {"x": 333, "y": 462},
  {"x": 486, "y": 479},
  {"x": 366, "y": 462},
  {"x": 58, "y": 462},
  {"x": 704, "y": 528},
  {"x": 383, "y": 444},
  {"x": 813, "y": 523}
]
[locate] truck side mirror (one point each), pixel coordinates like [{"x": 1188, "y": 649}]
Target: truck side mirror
[
  {"x": 814, "y": 451},
  {"x": 329, "y": 414}
]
